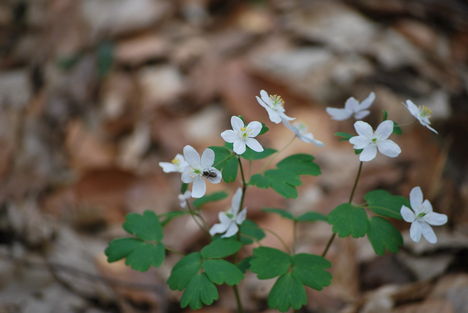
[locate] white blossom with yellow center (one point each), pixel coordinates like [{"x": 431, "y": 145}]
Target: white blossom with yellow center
[
  {"x": 421, "y": 113},
  {"x": 242, "y": 136},
  {"x": 176, "y": 165},
  {"x": 275, "y": 107}
]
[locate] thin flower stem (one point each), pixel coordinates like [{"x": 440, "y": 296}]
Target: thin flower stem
[
  {"x": 240, "y": 308},
  {"x": 351, "y": 196},
  {"x": 293, "y": 248},
  {"x": 244, "y": 183},
  {"x": 279, "y": 239},
  {"x": 278, "y": 153},
  {"x": 199, "y": 220}
]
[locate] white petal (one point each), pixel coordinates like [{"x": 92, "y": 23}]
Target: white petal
[
  {"x": 389, "y": 148},
  {"x": 217, "y": 229},
  {"x": 168, "y": 167},
  {"x": 254, "y": 145},
  {"x": 339, "y": 114},
  {"x": 368, "y": 154},
  {"x": 366, "y": 103},
  {"x": 198, "y": 187},
  {"x": 265, "y": 97},
  {"x": 407, "y": 214},
  {"x": 284, "y": 117},
  {"x": 435, "y": 219},
  {"x": 236, "y": 200},
  {"x": 254, "y": 128},
  {"x": 363, "y": 129},
  {"x": 191, "y": 156},
  {"x": 359, "y": 142},
  {"x": 262, "y": 103},
  {"x": 236, "y": 123},
  {"x": 427, "y": 206},
  {"x": 231, "y": 231},
  {"x": 273, "y": 115},
  {"x": 351, "y": 104},
  {"x": 241, "y": 217},
  {"x": 412, "y": 108},
  {"x": 225, "y": 220},
  {"x": 217, "y": 178},
  {"x": 239, "y": 146},
  {"x": 207, "y": 158},
  {"x": 415, "y": 231},
  {"x": 432, "y": 129},
  {"x": 187, "y": 176},
  {"x": 416, "y": 199},
  {"x": 384, "y": 130},
  {"x": 428, "y": 232},
  {"x": 361, "y": 114},
  {"x": 228, "y": 136}
]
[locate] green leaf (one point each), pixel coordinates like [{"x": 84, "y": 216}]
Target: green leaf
[
  {"x": 383, "y": 236},
  {"x": 385, "y": 116},
  {"x": 146, "y": 226},
  {"x": 263, "y": 130},
  {"x": 169, "y": 216},
  {"x": 215, "y": 196},
  {"x": 221, "y": 248},
  {"x": 397, "y": 129},
  {"x": 310, "y": 269},
  {"x": 222, "y": 155},
  {"x": 269, "y": 262},
  {"x": 120, "y": 248},
  {"x": 222, "y": 272},
  {"x": 383, "y": 203},
  {"x": 244, "y": 264},
  {"x": 280, "y": 212},
  {"x": 250, "y": 231},
  {"x": 348, "y": 219},
  {"x": 230, "y": 170},
  {"x": 260, "y": 181},
  {"x": 288, "y": 292},
  {"x": 145, "y": 255},
  {"x": 284, "y": 176},
  {"x": 249, "y": 154},
  {"x": 286, "y": 190},
  {"x": 200, "y": 291},
  {"x": 311, "y": 217},
  {"x": 184, "y": 270},
  {"x": 300, "y": 164},
  {"x": 343, "y": 136}
]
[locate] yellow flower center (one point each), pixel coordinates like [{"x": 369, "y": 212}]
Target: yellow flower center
[
  {"x": 424, "y": 111},
  {"x": 175, "y": 161},
  {"x": 277, "y": 100}
]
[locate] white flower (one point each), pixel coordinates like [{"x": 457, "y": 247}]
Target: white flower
[
  {"x": 352, "y": 107},
  {"x": 230, "y": 219},
  {"x": 371, "y": 141},
  {"x": 198, "y": 169},
  {"x": 300, "y": 130},
  {"x": 183, "y": 197},
  {"x": 176, "y": 165},
  {"x": 421, "y": 113},
  {"x": 274, "y": 106},
  {"x": 241, "y": 135},
  {"x": 421, "y": 217}
]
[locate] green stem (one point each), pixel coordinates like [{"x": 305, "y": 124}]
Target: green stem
[
  {"x": 351, "y": 196},
  {"x": 244, "y": 184},
  {"x": 199, "y": 220},
  {"x": 240, "y": 309},
  {"x": 279, "y": 239},
  {"x": 294, "y": 237}
]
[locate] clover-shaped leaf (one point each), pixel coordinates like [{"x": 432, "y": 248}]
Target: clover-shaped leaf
[
  {"x": 269, "y": 262},
  {"x": 287, "y": 292},
  {"x": 383, "y": 236},
  {"x": 383, "y": 203},
  {"x": 143, "y": 250},
  {"x": 348, "y": 220},
  {"x": 300, "y": 164},
  {"x": 200, "y": 291},
  {"x": 221, "y": 248},
  {"x": 222, "y": 272}
]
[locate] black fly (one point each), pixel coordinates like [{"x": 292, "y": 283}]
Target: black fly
[{"x": 209, "y": 174}]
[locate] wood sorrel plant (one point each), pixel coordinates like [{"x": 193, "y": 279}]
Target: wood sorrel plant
[{"x": 198, "y": 274}]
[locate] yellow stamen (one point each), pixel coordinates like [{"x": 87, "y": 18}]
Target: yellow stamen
[
  {"x": 277, "y": 100},
  {"x": 425, "y": 111},
  {"x": 175, "y": 161}
]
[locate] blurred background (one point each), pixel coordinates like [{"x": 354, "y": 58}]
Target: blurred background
[{"x": 94, "y": 93}]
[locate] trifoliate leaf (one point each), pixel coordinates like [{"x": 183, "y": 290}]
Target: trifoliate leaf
[
  {"x": 230, "y": 170},
  {"x": 249, "y": 154},
  {"x": 200, "y": 291},
  {"x": 169, "y": 216},
  {"x": 221, "y": 248},
  {"x": 222, "y": 272},
  {"x": 263, "y": 130},
  {"x": 222, "y": 155},
  {"x": 120, "y": 248},
  {"x": 311, "y": 217},
  {"x": 288, "y": 292},
  {"x": 250, "y": 232},
  {"x": 146, "y": 226},
  {"x": 184, "y": 270},
  {"x": 269, "y": 262},
  {"x": 310, "y": 269},
  {"x": 348, "y": 219},
  {"x": 383, "y": 236},
  {"x": 300, "y": 164},
  {"x": 280, "y": 212},
  {"x": 343, "y": 136},
  {"x": 383, "y": 203},
  {"x": 145, "y": 255},
  {"x": 260, "y": 181},
  {"x": 215, "y": 196}
]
